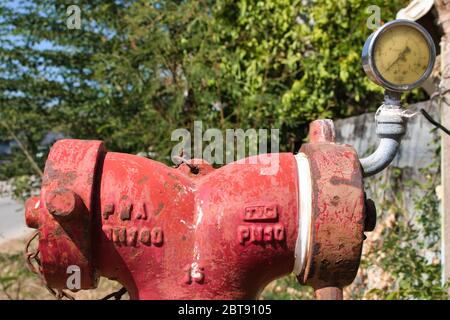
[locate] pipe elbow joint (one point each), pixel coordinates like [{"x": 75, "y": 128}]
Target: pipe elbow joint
[{"x": 391, "y": 126}]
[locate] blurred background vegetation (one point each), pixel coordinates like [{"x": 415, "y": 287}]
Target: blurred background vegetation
[{"x": 137, "y": 70}]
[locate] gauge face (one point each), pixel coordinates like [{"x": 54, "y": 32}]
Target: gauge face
[{"x": 399, "y": 56}]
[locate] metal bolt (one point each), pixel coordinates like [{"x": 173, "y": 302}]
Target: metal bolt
[
  {"x": 32, "y": 206},
  {"x": 328, "y": 293},
  {"x": 321, "y": 131},
  {"x": 61, "y": 202},
  {"x": 371, "y": 215}
]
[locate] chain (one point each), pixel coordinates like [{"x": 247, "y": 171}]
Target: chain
[{"x": 34, "y": 265}]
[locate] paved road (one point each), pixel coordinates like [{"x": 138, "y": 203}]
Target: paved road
[{"x": 12, "y": 220}]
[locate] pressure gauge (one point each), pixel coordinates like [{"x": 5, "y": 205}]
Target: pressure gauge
[{"x": 399, "y": 56}]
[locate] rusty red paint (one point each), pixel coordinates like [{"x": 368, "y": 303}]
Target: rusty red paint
[
  {"x": 338, "y": 211},
  {"x": 144, "y": 232},
  {"x": 68, "y": 185},
  {"x": 195, "y": 250},
  {"x": 32, "y": 212},
  {"x": 62, "y": 202},
  {"x": 172, "y": 233},
  {"x": 321, "y": 131},
  {"x": 328, "y": 293}
]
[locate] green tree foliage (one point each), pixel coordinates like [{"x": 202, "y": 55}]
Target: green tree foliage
[
  {"x": 136, "y": 70},
  {"x": 409, "y": 248}
]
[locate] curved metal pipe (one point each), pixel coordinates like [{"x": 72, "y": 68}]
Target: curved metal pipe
[
  {"x": 382, "y": 157},
  {"x": 391, "y": 126}
]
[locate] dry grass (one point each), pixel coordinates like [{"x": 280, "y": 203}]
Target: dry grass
[{"x": 17, "y": 282}]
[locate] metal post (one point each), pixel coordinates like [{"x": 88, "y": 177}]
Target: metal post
[{"x": 443, "y": 10}]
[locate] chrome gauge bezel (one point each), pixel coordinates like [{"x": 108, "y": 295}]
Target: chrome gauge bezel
[{"x": 369, "y": 61}]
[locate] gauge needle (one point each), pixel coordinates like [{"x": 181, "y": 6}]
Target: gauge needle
[{"x": 401, "y": 56}]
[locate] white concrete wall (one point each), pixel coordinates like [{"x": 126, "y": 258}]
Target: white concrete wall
[
  {"x": 415, "y": 149},
  {"x": 12, "y": 217}
]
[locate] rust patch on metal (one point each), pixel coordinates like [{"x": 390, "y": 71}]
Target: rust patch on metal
[
  {"x": 159, "y": 209},
  {"x": 125, "y": 213},
  {"x": 65, "y": 211},
  {"x": 338, "y": 215},
  {"x": 143, "y": 180}
]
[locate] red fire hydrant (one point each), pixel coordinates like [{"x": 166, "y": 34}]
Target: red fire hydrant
[{"x": 170, "y": 233}]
